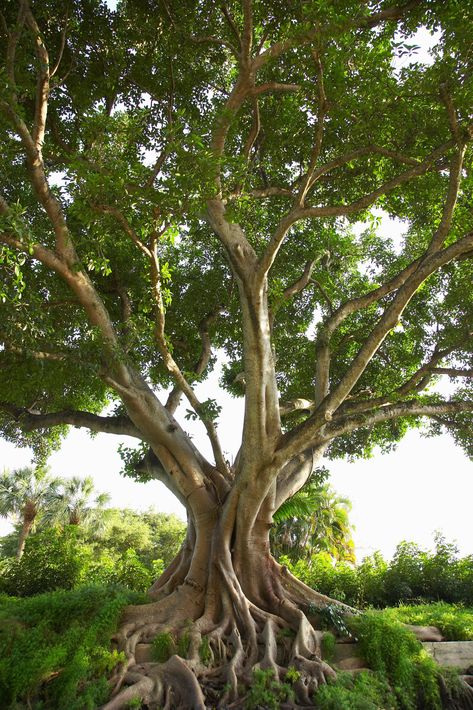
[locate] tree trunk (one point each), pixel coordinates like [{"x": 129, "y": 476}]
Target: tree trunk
[
  {"x": 26, "y": 527},
  {"x": 226, "y": 594}
]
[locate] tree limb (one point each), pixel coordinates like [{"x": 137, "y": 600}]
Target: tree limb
[
  {"x": 393, "y": 411},
  {"x": 30, "y": 420},
  {"x": 301, "y": 437}
]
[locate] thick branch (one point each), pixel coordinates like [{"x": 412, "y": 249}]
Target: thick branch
[
  {"x": 30, "y": 420},
  {"x": 394, "y": 411},
  {"x": 300, "y": 213},
  {"x": 453, "y": 371}
]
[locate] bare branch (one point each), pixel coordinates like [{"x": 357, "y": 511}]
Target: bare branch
[
  {"x": 443, "y": 229},
  {"x": 391, "y": 316},
  {"x": 247, "y": 34},
  {"x": 300, "y": 438},
  {"x": 42, "y": 82},
  {"x": 303, "y": 281},
  {"x": 299, "y": 213},
  {"x": 395, "y": 12},
  {"x": 210, "y": 39},
  {"x": 340, "y": 210},
  {"x": 36, "y": 354},
  {"x": 451, "y": 112},
  {"x": 13, "y": 39},
  {"x": 62, "y": 46},
  {"x": 231, "y": 23},
  {"x": 124, "y": 223},
  {"x": 273, "y": 86},
  {"x": 264, "y": 193},
  {"x": 40, "y": 184},
  {"x": 322, "y": 101},
  {"x": 204, "y": 358},
  {"x": 171, "y": 365},
  {"x": 360, "y": 153},
  {"x": 30, "y": 420},
  {"x": 453, "y": 372},
  {"x": 254, "y": 131},
  {"x": 394, "y": 411},
  {"x": 324, "y": 294}
]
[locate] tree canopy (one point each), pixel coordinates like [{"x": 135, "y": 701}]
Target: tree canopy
[{"x": 149, "y": 117}]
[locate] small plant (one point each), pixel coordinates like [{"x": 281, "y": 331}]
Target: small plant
[
  {"x": 292, "y": 675},
  {"x": 332, "y": 617},
  {"x": 134, "y": 704},
  {"x": 267, "y": 692},
  {"x": 328, "y": 646},
  {"x": 163, "y": 647},
  {"x": 205, "y": 652}
]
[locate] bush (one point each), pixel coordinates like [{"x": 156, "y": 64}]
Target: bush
[
  {"x": 55, "y": 648},
  {"x": 392, "y": 650},
  {"x": 53, "y": 559},
  {"x": 267, "y": 692},
  {"x": 412, "y": 575},
  {"x": 365, "y": 691}
]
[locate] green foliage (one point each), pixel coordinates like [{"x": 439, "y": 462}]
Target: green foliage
[
  {"x": 163, "y": 647},
  {"x": 364, "y": 691},
  {"x": 328, "y": 646},
  {"x": 131, "y": 573},
  {"x": 454, "y": 622},
  {"x": 183, "y": 643},
  {"x": 153, "y": 536},
  {"x": 265, "y": 691},
  {"x": 55, "y": 648},
  {"x": 412, "y": 575},
  {"x": 54, "y": 559},
  {"x": 393, "y": 650},
  {"x": 292, "y": 675},
  {"x": 314, "y": 520},
  {"x": 205, "y": 652},
  {"x": 111, "y": 113}
]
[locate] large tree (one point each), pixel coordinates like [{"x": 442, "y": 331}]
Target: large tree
[{"x": 181, "y": 177}]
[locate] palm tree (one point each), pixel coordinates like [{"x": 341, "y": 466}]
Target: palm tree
[
  {"x": 316, "y": 519},
  {"x": 75, "y": 503},
  {"x": 27, "y": 494}
]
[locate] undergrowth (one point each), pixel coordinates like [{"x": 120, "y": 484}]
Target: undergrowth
[
  {"x": 364, "y": 691},
  {"x": 455, "y": 622},
  {"x": 55, "y": 647},
  {"x": 267, "y": 692},
  {"x": 392, "y": 650}
]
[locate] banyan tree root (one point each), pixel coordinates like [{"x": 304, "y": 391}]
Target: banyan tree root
[{"x": 245, "y": 637}]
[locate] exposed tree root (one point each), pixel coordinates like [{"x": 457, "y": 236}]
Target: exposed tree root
[{"x": 245, "y": 637}]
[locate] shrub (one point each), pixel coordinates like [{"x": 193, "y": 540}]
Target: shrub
[
  {"x": 267, "y": 692},
  {"x": 163, "y": 647},
  {"x": 393, "y": 650},
  {"x": 53, "y": 559},
  {"x": 412, "y": 575},
  {"x": 55, "y": 648},
  {"x": 455, "y": 622},
  {"x": 365, "y": 691}
]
